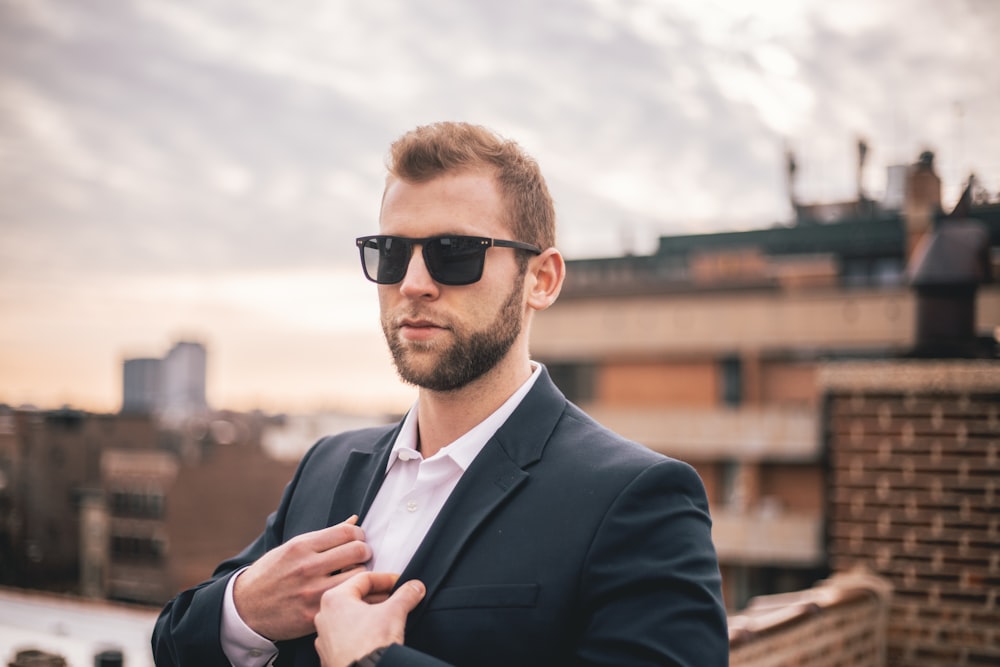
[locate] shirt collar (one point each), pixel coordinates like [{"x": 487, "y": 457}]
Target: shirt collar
[{"x": 465, "y": 449}]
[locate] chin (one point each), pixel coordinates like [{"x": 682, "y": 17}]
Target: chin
[{"x": 415, "y": 370}]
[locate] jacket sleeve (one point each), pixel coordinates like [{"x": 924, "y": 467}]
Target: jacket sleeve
[{"x": 652, "y": 593}]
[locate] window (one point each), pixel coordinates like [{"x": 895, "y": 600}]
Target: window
[
  {"x": 132, "y": 548},
  {"x": 731, "y": 373},
  {"x": 576, "y": 380},
  {"x": 138, "y": 504}
]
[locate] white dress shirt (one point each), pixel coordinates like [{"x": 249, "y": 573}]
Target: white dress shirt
[{"x": 412, "y": 494}]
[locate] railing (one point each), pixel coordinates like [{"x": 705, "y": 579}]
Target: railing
[{"x": 841, "y": 622}]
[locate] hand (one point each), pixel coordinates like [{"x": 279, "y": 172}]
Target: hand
[
  {"x": 350, "y": 627},
  {"x": 279, "y": 595}
]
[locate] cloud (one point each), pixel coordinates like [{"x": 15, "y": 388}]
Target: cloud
[{"x": 155, "y": 124}]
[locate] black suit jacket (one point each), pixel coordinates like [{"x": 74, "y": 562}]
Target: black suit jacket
[{"x": 563, "y": 544}]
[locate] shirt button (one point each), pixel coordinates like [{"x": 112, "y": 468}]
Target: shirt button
[{"x": 411, "y": 506}]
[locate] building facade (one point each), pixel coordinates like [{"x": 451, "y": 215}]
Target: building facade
[
  {"x": 173, "y": 513},
  {"x": 52, "y": 461},
  {"x": 710, "y": 351}
]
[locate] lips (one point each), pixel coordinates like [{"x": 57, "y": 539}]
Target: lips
[
  {"x": 418, "y": 323},
  {"x": 418, "y": 328}
]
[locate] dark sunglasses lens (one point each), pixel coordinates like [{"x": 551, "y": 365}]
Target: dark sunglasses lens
[
  {"x": 455, "y": 260},
  {"x": 386, "y": 259}
]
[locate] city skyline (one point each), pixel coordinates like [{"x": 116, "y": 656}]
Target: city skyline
[{"x": 199, "y": 172}]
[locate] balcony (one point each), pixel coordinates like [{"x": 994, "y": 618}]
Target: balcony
[
  {"x": 790, "y": 539},
  {"x": 706, "y": 434}
]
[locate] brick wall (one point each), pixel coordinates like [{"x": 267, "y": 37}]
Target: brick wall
[
  {"x": 840, "y": 622},
  {"x": 914, "y": 467}
]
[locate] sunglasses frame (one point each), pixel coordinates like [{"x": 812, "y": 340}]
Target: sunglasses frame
[{"x": 485, "y": 243}]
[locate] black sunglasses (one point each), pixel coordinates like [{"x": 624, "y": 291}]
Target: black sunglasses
[{"x": 451, "y": 259}]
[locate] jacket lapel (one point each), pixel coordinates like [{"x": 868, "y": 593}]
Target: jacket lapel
[{"x": 360, "y": 481}]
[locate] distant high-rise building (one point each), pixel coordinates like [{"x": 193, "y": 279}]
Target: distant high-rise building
[
  {"x": 172, "y": 387},
  {"x": 141, "y": 382},
  {"x": 183, "y": 380}
]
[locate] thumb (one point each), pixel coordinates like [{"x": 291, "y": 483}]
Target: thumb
[{"x": 409, "y": 595}]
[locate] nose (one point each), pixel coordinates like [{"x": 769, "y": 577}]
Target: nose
[{"x": 417, "y": 282}]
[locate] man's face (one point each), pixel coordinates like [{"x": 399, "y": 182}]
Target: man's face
[{"x": 444, "y": 337}]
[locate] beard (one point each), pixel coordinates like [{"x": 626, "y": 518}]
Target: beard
[{"x": 469, "y": 357}]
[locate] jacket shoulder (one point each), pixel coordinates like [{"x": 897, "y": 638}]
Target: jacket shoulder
[{"x": 588, "y": 437}]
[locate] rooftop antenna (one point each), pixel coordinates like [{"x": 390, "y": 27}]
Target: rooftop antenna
[
  {"x": 960, "y": 166},
  {"x": 862, "y": 154},
  {"x": 791, "y": 167}
]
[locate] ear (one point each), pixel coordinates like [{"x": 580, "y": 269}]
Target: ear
[{"x": 544, "y": 280}]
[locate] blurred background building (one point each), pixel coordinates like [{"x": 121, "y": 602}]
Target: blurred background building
[{"x": 173, "y": 387}]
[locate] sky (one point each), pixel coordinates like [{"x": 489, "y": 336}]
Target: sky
[{"x": 198, "y": 170}]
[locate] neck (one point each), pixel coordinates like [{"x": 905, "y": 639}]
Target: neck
[{"x": 443, "y": 417}]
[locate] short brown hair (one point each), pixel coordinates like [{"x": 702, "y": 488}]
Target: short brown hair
[{"x": 430, "y": 151}]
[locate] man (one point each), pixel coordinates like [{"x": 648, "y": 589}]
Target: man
[{"x": 514, "y": 529}]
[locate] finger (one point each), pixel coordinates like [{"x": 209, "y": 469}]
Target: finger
[
  {"x": 338, "y": 533},
  {"x": 343, "y": 575},
  {"x": 408, "y": 596},
  {"x": 335, "y": 535},
  {"x": 343, "y": 558},
  {"x": 368, "y": 583}
]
